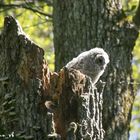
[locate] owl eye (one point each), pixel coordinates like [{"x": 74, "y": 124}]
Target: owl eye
[{"x": 100, "y": 60}]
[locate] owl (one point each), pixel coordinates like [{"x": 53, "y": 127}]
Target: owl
[{"x": 91, "y": 63}]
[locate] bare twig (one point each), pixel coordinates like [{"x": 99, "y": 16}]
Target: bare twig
[
  {"x": 25, "y": 6},
  {"x": 26, "y": 27},
  {"x": 48, "y": 2}
]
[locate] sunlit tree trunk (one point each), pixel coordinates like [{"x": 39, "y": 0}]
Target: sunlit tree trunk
[
  {"x": 81, "y": 25},
  {"x": 22, "y": 69}
]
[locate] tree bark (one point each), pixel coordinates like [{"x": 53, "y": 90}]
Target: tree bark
[
  {"x": 77, "y": 106},
  {"x": 21, "y": 86},
  {"x": 26, "y": 86},
  {"x": 80, "y": 25}
]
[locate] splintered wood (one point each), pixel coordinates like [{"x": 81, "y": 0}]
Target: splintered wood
[{"x": 76, "y": 106}]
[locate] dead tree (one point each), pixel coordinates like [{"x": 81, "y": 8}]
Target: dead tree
[{"x": 26, "y": 84}]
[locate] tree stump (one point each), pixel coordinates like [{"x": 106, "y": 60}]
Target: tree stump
[
  {"x": 21, "y": 86},
  {"x": 77, "y": 106}
]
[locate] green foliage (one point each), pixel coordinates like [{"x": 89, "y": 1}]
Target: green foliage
[
  {"x": 135, "y": 122},
  {"x": 36, "y": 25},
  {"x": 130, "y": 7},
  {"x": 136, "y": 62}
]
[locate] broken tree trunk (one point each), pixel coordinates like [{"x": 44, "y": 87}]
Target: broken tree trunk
[
  {"x": 21, "y": 65},
  {"x": 26, "y": 85},
  {"x": 77, "y": 106}
]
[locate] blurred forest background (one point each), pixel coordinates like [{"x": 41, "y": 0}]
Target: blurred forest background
[{"x": 35, "y": 17}]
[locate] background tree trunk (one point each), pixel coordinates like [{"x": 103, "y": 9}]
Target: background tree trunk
[{"x": 81, "y": 25}]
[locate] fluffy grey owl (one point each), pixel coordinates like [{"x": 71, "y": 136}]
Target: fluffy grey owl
[{"x": 91, "y": 63}]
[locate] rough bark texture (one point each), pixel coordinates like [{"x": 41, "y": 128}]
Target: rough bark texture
[
  {"x": 78, "y": 106},
  {"x": 21, "y": 65},
  {"x": 80, "y": 25},
  {"x": 26, "y": 85}
]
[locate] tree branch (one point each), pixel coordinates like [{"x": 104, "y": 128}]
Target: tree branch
[
  {"x": 26, "y": 27},
  {"x": 136, "y": 18},
  {"x": 25, "y": 6}
]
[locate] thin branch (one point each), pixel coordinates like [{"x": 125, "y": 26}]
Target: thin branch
[
  {"x": 136, "y": 18},
  {"x": 26, "y": 27},
  {"x": 25, "y": 6},
  {"x": 48, "y": 2},
  {"x": 4, "y": 9}
]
